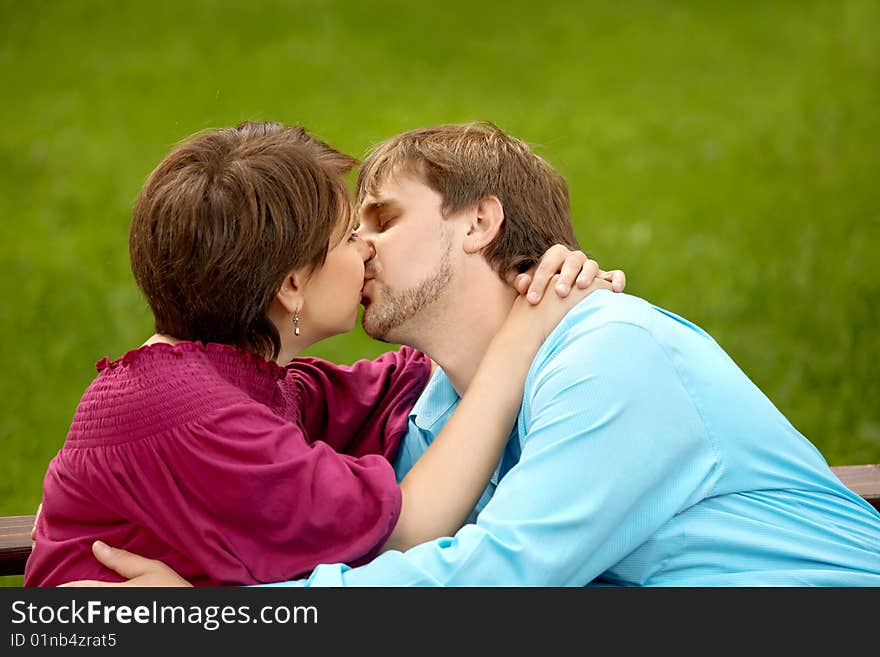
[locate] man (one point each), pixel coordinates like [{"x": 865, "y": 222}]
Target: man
[{"x": 642, "y": 454}]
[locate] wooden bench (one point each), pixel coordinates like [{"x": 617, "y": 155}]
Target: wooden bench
[{"x": 15, "y": 531}]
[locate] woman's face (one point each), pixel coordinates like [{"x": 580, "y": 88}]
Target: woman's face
[{"x": 333, "y": 293}]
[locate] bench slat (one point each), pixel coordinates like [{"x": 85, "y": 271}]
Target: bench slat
[
  {"x": 15, "y": 543},
  {"x": 15, "y": 531},
  {"x": 861, "y": 479}
]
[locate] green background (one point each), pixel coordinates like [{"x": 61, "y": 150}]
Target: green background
[{"x": 724, "y": 154}]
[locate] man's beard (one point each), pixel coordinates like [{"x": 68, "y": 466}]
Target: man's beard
[{"x": 380, "y": 320}]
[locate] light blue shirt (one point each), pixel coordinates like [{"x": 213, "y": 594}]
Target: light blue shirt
[{"x": 642, "y": 455}]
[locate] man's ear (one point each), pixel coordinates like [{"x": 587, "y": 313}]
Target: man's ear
[
  {"x": 484, "y": 225},
  {"x": 291, "y": 294}
]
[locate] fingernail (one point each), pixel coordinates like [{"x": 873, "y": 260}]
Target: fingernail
[
  {"x": 102, "y": 548},
  {"x": 533, "y": 296},
  {"x": 562, "y": 287}
]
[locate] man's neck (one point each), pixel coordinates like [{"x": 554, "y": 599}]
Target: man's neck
[{"x": 458, "y": 334}]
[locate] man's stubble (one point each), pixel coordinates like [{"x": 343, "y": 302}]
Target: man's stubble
[{"x": 401, "y": 310}]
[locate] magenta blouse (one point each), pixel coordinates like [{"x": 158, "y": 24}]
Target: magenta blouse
[{"x": 227, "y": 467}]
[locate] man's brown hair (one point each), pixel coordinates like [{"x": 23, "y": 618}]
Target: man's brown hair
[
  {"x": 223, "y": 218},
  {"x": 465, "y": 163}
]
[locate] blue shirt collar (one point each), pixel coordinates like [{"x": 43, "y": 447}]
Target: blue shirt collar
[
  {"x": 434, "y": 402},
  {"x": 434, "y": 405}
]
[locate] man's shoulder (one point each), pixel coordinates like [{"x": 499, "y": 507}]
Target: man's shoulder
[
  {"x": 603, "y": 331},
  {"x": 625, "y": 334},
  {"x": 621, "y": 312},
  {"x": 602, "y": 309}
]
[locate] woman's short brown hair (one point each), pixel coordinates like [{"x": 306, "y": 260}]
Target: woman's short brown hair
[
  {"x": 223, "y": 218},
  {"x": 465, "y": 163}
]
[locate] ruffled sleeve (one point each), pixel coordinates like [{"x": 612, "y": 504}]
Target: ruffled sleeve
[{"x": 363, "y": 408}]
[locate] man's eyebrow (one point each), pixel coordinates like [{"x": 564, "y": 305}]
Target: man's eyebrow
[{"x": 378, "y": 204}]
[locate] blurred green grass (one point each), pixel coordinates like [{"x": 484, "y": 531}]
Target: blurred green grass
[{"x": 725, "y": 155}]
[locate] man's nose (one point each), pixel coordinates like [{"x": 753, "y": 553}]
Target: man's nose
[{"x": 368, "y": 251}]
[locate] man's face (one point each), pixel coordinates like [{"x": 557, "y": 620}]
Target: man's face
[{"x": 412, "y": 268}]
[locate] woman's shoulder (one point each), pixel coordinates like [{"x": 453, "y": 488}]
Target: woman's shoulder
[
  {"x": 159, "y": 387},
  {"x": 309, "y": 367},
  {"x": 312, "y": 377}
]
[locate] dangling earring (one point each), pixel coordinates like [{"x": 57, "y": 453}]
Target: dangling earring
[{"x": 296, "y": 322}]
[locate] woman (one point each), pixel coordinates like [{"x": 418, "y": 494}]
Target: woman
[{"x": 211, "y": 447}]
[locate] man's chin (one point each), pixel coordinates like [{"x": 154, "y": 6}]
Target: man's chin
[
  {"x": 374, "y": 327},
  {"x": 367, "y": 322}
]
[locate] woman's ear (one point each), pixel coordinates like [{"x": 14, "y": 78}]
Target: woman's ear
[
  {"x": 485, "y": 224},
  {"x": 291, "y": 294}
]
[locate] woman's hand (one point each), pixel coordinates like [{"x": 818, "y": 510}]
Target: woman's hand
[
  {"x": 574, "y": 269},
  {"x": 138, "y": 571},
  {"x": 533, "y": 323}
]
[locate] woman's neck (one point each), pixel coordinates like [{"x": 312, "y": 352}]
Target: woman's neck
[{"x": 159, "y": 337}]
